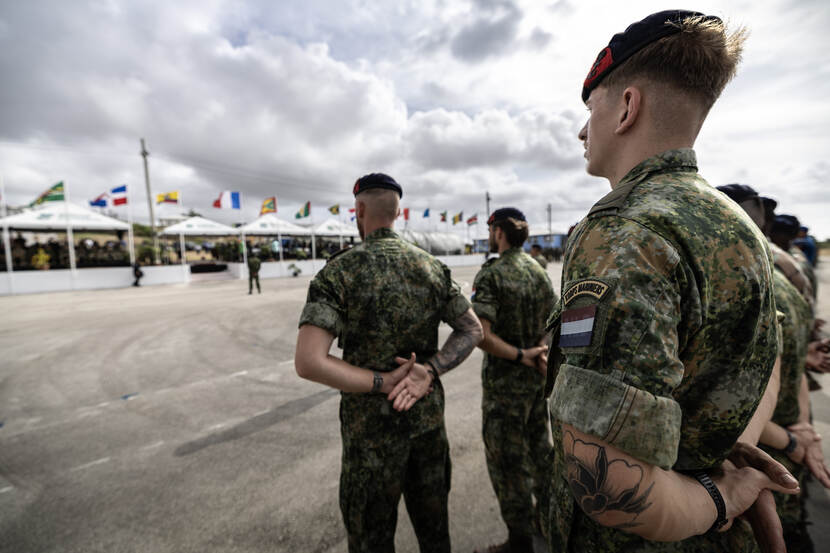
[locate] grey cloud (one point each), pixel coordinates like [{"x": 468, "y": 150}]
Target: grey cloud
[
  {"x": 493, "y": 32},
  {"x": 539, "y": 39}
]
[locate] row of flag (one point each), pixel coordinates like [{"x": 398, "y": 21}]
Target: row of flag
[{"x": 226, "y": 200}]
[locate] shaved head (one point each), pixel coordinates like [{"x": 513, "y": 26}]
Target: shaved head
[{"x": 376, "y": 207}]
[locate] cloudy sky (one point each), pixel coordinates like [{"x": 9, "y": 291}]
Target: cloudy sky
[{"x": 453, "y": 98}]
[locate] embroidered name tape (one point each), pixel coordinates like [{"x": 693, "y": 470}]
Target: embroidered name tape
[
  {"x": 593, "y": 288},
  {"x": 577, "y": 327}
]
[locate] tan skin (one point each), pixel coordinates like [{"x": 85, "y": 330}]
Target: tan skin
[{"x": 626, "y": 127}]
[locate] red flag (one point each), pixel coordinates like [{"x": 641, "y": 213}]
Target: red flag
[{"x": 406, "y": 214}]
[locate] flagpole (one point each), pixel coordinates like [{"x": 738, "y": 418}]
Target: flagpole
[
  {"x": 70, "y": 237},
  {"x": 6, "y": 240},
  {"x": 244, "y": 245},
  {"x": 130, "y": 238}
]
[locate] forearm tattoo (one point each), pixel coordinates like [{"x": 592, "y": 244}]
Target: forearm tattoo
[
  {"x": 465, "y": 336},
  {"x": 610, "y": 490}
]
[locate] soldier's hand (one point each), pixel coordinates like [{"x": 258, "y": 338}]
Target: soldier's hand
[
  {"x": 818, "y": 355},
  {"x": 542, "y": 363},
  {"x": 393, "y": 378},
  {"x": 747, "y": 472},
  {"x": 532, "y": 354},
  {"x": 766, "y": 526},
  {"x": 416, "y": 384},
  {"x": 805, "y": 435},
  {"x": 813, "y": 457}
]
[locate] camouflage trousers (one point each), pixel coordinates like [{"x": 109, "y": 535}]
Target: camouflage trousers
[
  {"x": 517, "y": 448},
  {"x": 791, "y": 510},
  {"x": 373, "y": 479}
]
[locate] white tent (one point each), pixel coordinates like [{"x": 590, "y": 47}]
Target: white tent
[
  {"x": 333, "y": 227},
  {"x": 269, "y": 224},
  {"x": 199, "y": 226},
  {"x": 57, "y": 216},
  {"x": 60, "y": 216}
]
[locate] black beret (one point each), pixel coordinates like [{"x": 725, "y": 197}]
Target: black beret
[
  {"x": 786, "y": 224},
  {"x": 376, "y": 180},
  {"x": 769, "y": 204},
  {"x": 636, "y": 36},
  {"x": 505, "y": 212},
  {"x": 738, "y": 192}
]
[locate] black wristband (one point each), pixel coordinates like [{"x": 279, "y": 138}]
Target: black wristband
[
  {"x": 519, "y": 355},
  {"x": 792, "y": 444},
  {"x": 377, "y": 384},
  {"x": 713, "y": 490},
  {"x": 432, "y": 370}
]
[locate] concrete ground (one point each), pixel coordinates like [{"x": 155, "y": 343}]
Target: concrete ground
[{"x": 170, "y": 419}]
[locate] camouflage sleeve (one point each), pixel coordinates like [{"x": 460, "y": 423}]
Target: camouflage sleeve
[
  {"x": 324, "y": 304},
  {"x": 456, "y": 304},
  {"x": 619, "y": 341},
  {"x": 485, "y": 299}
]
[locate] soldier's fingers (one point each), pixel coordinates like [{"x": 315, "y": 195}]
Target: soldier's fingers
[
  {"x": 401, "y": 386},
  {"x": 761, "y": 461}
]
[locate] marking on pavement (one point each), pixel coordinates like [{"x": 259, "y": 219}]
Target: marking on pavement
[
  {"x": 6, "y": 489},
  {"x": 240, "y": 373},
  {"x": 90, "y": 464},
  {"x": 285, "y": 362},
  {"x": 153, "y": 446}
]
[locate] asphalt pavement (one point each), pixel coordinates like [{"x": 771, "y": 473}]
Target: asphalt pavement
[{"x": 170, "y": 419}]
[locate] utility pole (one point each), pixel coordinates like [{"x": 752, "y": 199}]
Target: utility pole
[
  {"x": 487, "y": 198},
  {"x": 144, "y": 154},
  {"x": 550, "y": 228}
]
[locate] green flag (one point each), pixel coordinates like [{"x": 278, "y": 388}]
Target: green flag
[
  {"x": 304, "y": 211},
  {"x": 53, "y": 194}
]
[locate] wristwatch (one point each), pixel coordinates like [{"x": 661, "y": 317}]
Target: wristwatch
[
  {"x": 792, "y": 444},
  {"x": 432, "y": 370},
  {"x": 377, "y": 382},
  {"x": 519, "y": 355}
]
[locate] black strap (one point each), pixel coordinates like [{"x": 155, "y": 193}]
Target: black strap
[{"x": 713, "y": 490}]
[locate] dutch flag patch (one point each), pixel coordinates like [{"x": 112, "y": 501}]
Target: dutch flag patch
[{"x": 577, "y": 327}]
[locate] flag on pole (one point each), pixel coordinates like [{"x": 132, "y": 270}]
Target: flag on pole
[
  {"x": 53, "y": 194},
  {"x": 269, "y": 205},
  {"x": 335, "y": 209},
  {"x": 458, "y": 217},
  {"x": 119, "y": 195},
  {"x": 100, "y": 201},
  {"x": 443, "y": 216},
  {"x": 406, "y": 214},
  {"x": 168, "y": 198},
  {"x": 473, "y": 220},
  {"x": 304, "y": 211},
  {"x": 426, "y": 213},
  {"x": 228, "y": 200},
  {"x": 351, "y": 210}
]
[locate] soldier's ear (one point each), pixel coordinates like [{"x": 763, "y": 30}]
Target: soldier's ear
[{"x": 629, "y": 109}]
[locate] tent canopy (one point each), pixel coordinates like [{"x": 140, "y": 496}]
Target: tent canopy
[
  {"x": 199, "y": 226},
  {"x": 55, "y": 215},
  {"x": 269, "y": 224},
  {"x": 333, "y": 227}
]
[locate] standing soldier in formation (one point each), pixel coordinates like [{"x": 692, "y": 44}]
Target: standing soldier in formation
[
  {"x": 384, "y": 300},
  {"x": 254, "y": 265},
  {"x": 536, "y": 253},
  {"x": 513, "y": 297},
  {"x": 666, "y": 334}
]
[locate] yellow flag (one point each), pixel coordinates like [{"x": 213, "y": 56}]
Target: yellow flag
[{"x": 168, "y": 198}]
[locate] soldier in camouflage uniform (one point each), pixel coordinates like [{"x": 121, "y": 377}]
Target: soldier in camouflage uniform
[
  {"x": 384, "y": 300},
  {"x": 789, "y": 437},
  {"x": 665, "y": 336},
  {"x": 536, "y": 253},
  {"x": 254, "y": 265},
  {"x": 513, "y": 297}
]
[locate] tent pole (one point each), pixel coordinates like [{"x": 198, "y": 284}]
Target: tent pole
[
  {"x": 183, "y": 255},
  {"x": 70, "y": 238},
  {"x": 130, "y": 238},
  {"x": 282, "y": 261},
  {"x": 6, "y": 240}
]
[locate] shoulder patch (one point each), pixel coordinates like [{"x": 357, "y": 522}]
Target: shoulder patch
[
  {"x": 614, "y": 199},
  {"x": 589, "y": 287},
  {"x": 577, "y": 327}
]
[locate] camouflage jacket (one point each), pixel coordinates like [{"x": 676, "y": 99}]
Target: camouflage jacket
[
  {"x": 668, "y": 336},
  {"x": 792, "y": 269},
  {"x": 540, "y": 259},
  {"x": 254, "y": 265},
  {"x": 795, "y": 330},
  {"x": 806, "y": 267},
  {"x": 384, "y": 298},
  {"x": 514, "y": 293}
]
